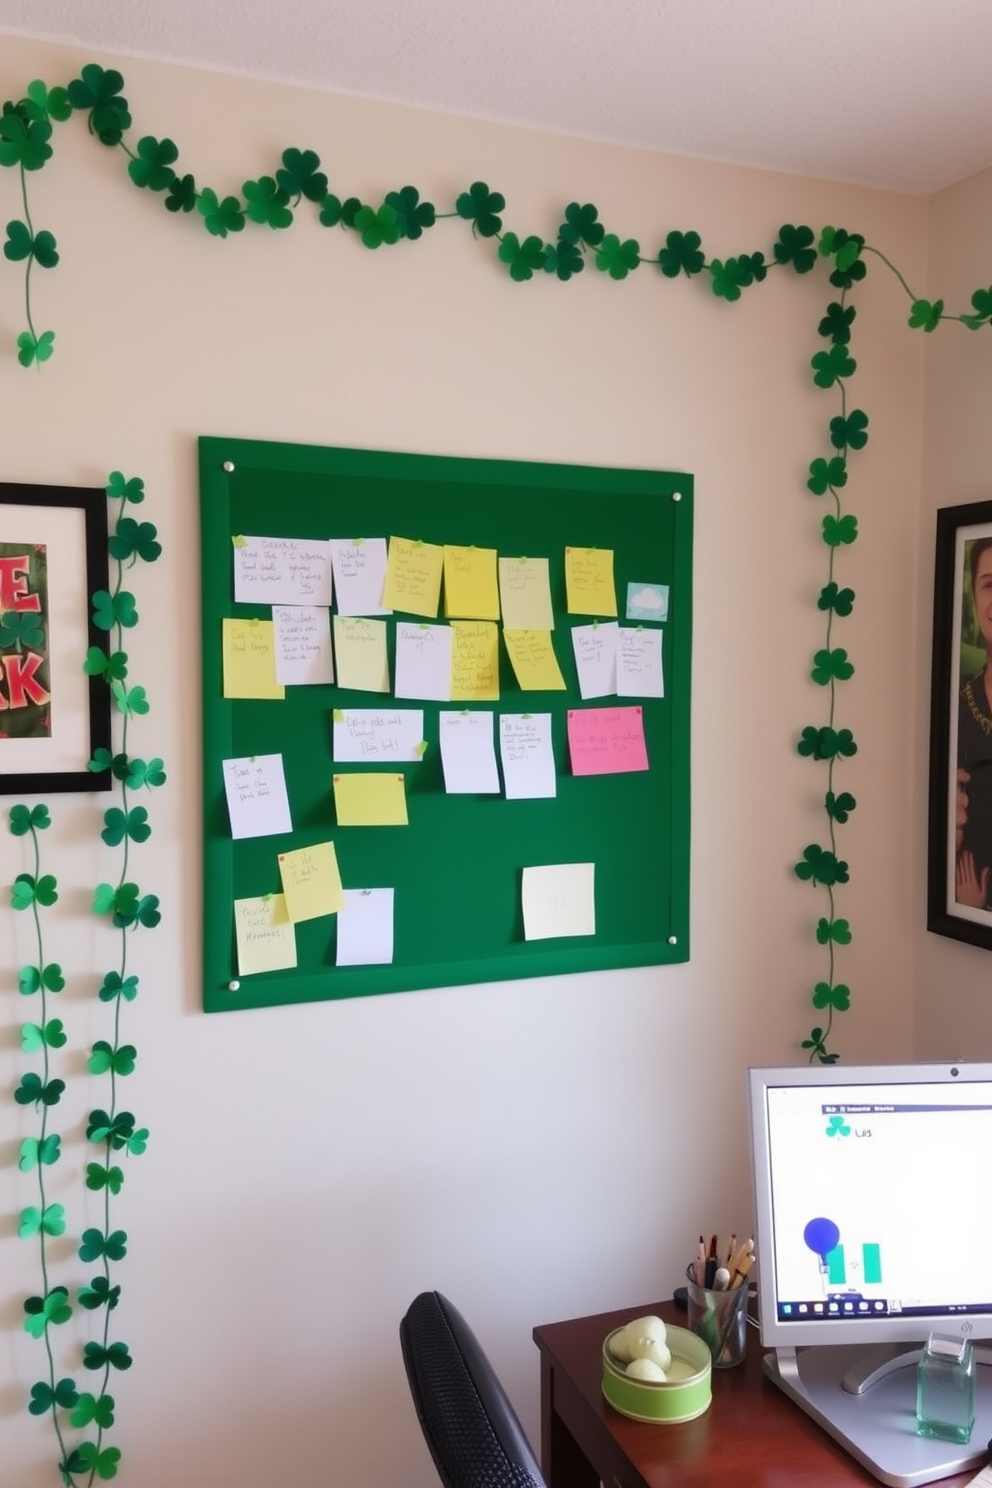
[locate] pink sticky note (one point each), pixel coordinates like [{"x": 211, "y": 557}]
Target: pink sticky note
[{"x": 606, "y": 741}]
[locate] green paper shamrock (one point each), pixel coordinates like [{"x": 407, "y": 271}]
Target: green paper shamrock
[
  {"x": 682, "y": 254},
  {"x": 90, "y": 1410},
  {"x": 95, "y": 1245},
  {"x": 981, "y": 302},
  {"x": 854, "y": 269},
  {"x": 350, "y": 209},
  {"x": 841, "y": 601},
  {"x": 151, "y": 167},
  {"x": 23, "y": 138},
  {"x": 412, "y": 215},
  {"x": 88, "y": 1458},
  {"x": 120, "y": 489},
  {"x": 105, "y": 1058},
  {"x": 21, "y": 245},
  {"x": 836, "y": 931},
  {"x": 220, "y": 217},
  {"x": 618, "y": 259},
  {"x": 826, "y": 475},
  {"x": 99, "y": 664},
  {"x": 32, "y": 1091},
  {"x": 120, "y": 824},
  {"x": 53, "y": 1308},
  {"x": 135, "y": 539},
  {"x": 50, "y": 977},
  {"x": 581, "y": 225},
  {"x": 137, "y": 1142},
  {"x": 481, "y": 207},
  {"x": 118, "y": 1355},
  {"x": 840, "y": 531},
  {"x": 150, "y": 773},
  {"x": 47, "y": 1221},
  {"x": 300, "y": 175},
  {"x": 563, "y": 259},
  {"x": 21, "y": 631},
  {"x": 102, "y": 1127},
  {"x": 265, "y": 202},
  {"x": 924, "y": 314},
  {"x": 130, "y": 701},
  {"x": 114, "y": 609},
  {"x": 795, "y": 245},
  {"x": 32, "y": 349},
  {"x": 830, "y": 366},
  {"x": 836, "y": 324},
  {"x": 821, "y": 867},
  {"x": 826, "y": 743},
  {"x": 99, "y": 90},
  {"x": 51, "y": 102},
  {"x": 23, "y": 819},
  {"x": 850, "y": 432},
  {"x": 817, "y": 1046},
  {"x": 114, "y": 986},
  {"x": 35, "y": 1037},
  {"x": 839, "y": 808},
  {"x": 39, "y": 1152},
  {"x": 25, "y": 891},
  {"x": 44, "y": 1398},
  {"x": 330, "y": 211},
  {"x": 831, "y": 666},
  {"x": 522, "y": 258},
  {"x": 377, "y": 227},
  {"x": 838, "y": 997},
  {"x": 751, "y": 269},
  {"x": 181, "y": 196},
  {"x": 99, "y": 1177},
  {"x": 726, "y": 278}
]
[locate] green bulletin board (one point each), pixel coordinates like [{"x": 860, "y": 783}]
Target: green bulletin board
[{"x": 456, "y": 869}]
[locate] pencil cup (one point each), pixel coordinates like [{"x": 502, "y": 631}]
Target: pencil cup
[{"x": 720, "y": 1320}]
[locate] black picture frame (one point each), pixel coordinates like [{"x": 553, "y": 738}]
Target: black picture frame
[
  {"x": 960, "y": 807},
  {"x": 71, "y": 523}
]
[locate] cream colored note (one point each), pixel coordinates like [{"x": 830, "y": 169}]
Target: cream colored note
[
  {"x": 249, "y": 654},
  {"x": 533, "y": 659},
  {"x": 370, "y": 799},
  {"x": 525, "y": 594},
  {"x": 413, "y": 577},
  {"x": 589, "y": 587},
  {"x": 470, "y": 588},
  {"x": 639, "y": 668},
  {"x": 311, "y": 881},
  {"x": 266, "y": 939},
  {"x": 360, "y": 651},
  {"x": 474, "y": 661},
  {"x": 559, "y": 899}
]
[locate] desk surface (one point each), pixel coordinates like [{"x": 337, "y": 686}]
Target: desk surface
[{"x": 752, "y": 1436}]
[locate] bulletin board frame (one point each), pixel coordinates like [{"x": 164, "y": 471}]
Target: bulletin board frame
[{"x": 456, "y": 869}]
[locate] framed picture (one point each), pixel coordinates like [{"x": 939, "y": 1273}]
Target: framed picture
[
  {"x": 959, "y": 879},
  {"x": 53, "y": 717}
]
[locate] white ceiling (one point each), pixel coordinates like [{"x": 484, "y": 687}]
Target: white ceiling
[{"x": 892, "y": 93}]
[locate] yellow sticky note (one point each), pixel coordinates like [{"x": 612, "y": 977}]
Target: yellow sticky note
[
  {"x": 250, "y": 660},
  {"x": 311, "y": 881},
  {"x": 533, "y": 659},
  {"x": 413, "y": 577},
  {"x": 525, "y": 594},
  {"x": 474, "y": 661},
  {"x": 265, "y": 935},
  {"x": 589, "y": 587},
  {"x": 370, "y": 799},
  {"x": 360, "y": 651},
  {"x": 470, "y": 587}
]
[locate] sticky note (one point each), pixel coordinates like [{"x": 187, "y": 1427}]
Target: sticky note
[
  {"x": 474, "y": 661},
  {"x": 639, "y": 670},
  {"x": 257, "y": 803},
  {"x": 526, "y": 756},
  {"x": 423, "y": 661},
  {"x": 647, "y": 602},
  {"x": 249, "y": 658},
  {"x": 533, "y": 659},
  {"x": 374, "y": 736},
  {"x": 282, "y": 570},
  {"x": 558, "y": 899},
  {"x": 264, "y": 934},
  {"x": 360, "y": 649},
  {"x": 589, "y": 588},
  {"x": 606, "y": 741},
  {"x": 370, "y": 799},
  {"x": 359, "y": 568},
  {"x": 525, "y": 594},
  {"x": 303, "y": 645},
  {"x": 365, "y": 928},
  {"x": 471, "y": 591},
  {"x": 413, "y": 577},
  {"x": 468, "y": 755},
  {"x": 595, "y": 651},
  {"x": 311, "y": 881}
]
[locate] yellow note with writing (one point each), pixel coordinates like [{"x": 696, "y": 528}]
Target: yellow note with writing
[
  {"x": 360, "y": 651},
  {"x": 311, "y": 881},
  {"x": 250, "y": 660},
  {"x": 525, "y": 594},
  {"x": 533, "y": 659},
  {"x": 413, "y": 577},
  {"x": 265, "y": 935},
  {"x": 589, "y": 587},
  {"x": 470, "y": 588},
  {"x": 370, "y": 799},
  {"x": 474, "y": 661}
]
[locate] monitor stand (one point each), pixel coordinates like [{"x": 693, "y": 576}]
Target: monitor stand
[{"x": 867, "y": 1402}]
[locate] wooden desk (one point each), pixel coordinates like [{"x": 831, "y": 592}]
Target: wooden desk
[{"x": 751, "y": 1436}]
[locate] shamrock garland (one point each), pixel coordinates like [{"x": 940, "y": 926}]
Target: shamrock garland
[{"x": 112, "y": 1130}]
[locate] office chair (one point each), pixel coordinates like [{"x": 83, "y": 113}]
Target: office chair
[{"x": 468, "y": 1422}]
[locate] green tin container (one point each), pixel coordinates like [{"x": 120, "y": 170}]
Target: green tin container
[{"x": 683, "y": 1396}]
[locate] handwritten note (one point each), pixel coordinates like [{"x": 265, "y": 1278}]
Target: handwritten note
[
  {"x": 359, "y": 568},
  {"x": 468, "y": 755},
  {"x": 559, "y": 899},
  {"x": 423, "y": 661},
  {"x": 639, "y": 670},
  {"x": 257, "y": 803},
  {"x": 595, "y": 649},
  {"x": 303, "y": 645},
  {"x": 533, "y": 659},
  {"x": 360, "y": 648},
  {"x": 474, "y": 661},
  {"x": 471, "y": 591},
  {"x": 372, "y": 799},
  {"x": 282, "y": 570},
  {"x": 525, "y": 594},
  {"x": 311, "y": 881},
  {"x": 365, "y": 928},
  {"x": 413, "y": 577},
  {"x": 526, "y": 755},
  {"x": 589, "y": 588},
  {"x": 606, "y": 741},
  {"x": 264, "y": 934},
  {"x": 249, "y": 656},
  {"x": 378, "y": 736}
]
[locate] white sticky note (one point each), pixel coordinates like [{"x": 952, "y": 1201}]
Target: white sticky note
[
  {"x": 359, "y": 567},
  {"x": 282, "y": 570},
  {"x": 595, "y": 648},
  {"x": 468, "y": 755},
  {"x": 423, "y": 661},
  {"x": 303, "y": 645},
  {"x": 372, "y": 736},
  {"x": 639, "y": 669},
  {"x": 365, "y": 928},
  {"x": 257, "y": 803},
  {"x": 559, "y": 899},
  {"x": 526, "y": 755}
]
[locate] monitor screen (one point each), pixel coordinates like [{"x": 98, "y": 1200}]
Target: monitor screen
[{"x": 873, "y": 1202}]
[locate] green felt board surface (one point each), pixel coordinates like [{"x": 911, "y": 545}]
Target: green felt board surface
[{"x": 456, "y": 869}]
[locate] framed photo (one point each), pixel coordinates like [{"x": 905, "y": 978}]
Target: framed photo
[{"x": 53, "y": 717}]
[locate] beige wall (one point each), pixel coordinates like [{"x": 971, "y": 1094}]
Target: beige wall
[{"x": 532, "y": 1149}]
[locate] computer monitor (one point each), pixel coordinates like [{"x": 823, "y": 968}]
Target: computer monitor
[{"x": 873, "y": 1227}]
